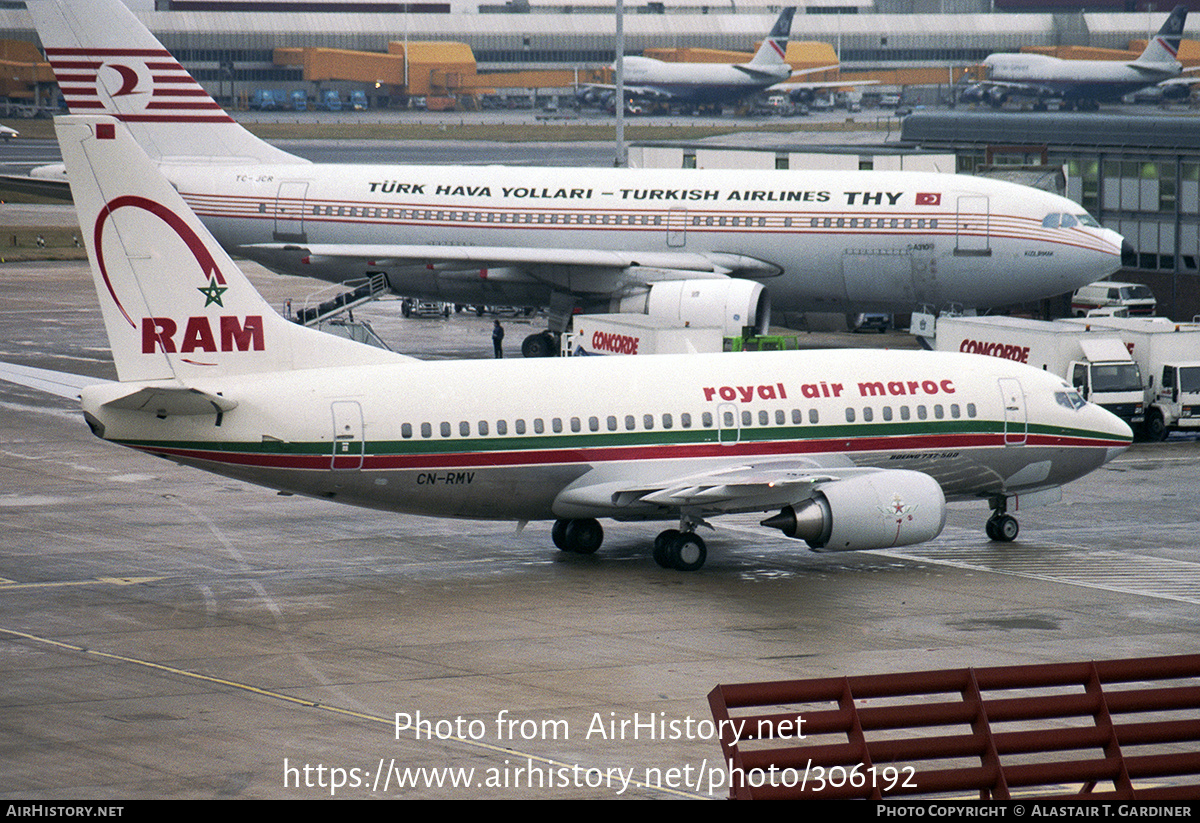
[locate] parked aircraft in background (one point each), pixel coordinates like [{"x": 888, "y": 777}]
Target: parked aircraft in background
[
  {"x": 711, "y": 85},
  {"x": 698, "y": 247},
  {"x": 1082, "y": 84},
  {"x": 853, "y": 450}
]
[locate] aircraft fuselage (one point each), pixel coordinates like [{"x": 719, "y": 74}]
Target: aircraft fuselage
[
  {"x": 503, "y": 440},
  {"x": 837, "y": 241}
]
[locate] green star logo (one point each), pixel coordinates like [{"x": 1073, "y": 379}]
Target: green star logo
[{"x": 212, "y": 293}]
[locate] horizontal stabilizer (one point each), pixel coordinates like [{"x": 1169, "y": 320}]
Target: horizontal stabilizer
[{"x": 60, "y": 384}]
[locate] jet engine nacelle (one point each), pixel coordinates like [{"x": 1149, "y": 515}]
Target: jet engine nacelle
[
  {"x": 728, "y": 303},
  {"x": 880, "y": 510}
]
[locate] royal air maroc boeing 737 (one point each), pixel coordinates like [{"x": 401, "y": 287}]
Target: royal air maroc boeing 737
[
  {"x": 693, "y": 246},
  {"x": 847, "y": 450}
]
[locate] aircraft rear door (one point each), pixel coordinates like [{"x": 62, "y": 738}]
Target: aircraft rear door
[
  {"x": 1016, "y": 421},
  {"x": 348, "y": 445}
]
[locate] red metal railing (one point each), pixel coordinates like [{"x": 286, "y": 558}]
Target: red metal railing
[{"x": 1117, "y": 729}]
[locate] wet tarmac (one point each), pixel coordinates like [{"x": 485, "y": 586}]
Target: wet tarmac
[{"x": 165, "y": 633}]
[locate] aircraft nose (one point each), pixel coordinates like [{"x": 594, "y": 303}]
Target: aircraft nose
[{"x": 1115, "y": 429}]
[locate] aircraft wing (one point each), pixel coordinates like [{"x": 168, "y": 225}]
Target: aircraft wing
[
  {"x": 821, "y": 84},
  {"x": 637, "y": 265},
  {"x": 742, "y": 488},
  {"x": 60, "y": 384}
]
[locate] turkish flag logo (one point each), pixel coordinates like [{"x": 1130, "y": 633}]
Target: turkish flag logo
[{"x": 925, "y": 198}]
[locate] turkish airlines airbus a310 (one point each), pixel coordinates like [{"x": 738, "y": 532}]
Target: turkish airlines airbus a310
[
  {"x": 845, "y": 449},
  {"x": 703, "y": 247}
]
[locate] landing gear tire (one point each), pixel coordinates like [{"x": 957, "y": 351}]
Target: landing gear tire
[
  {"x": 538, "y": 345},
  {"x": 1156, "y": 427},
  {"x": 1003, "y": 528},
  {"x": 581, "y": 536},
  {"x": 558, "y": 533},
  {"x": 662, "y": 547},
  {"x": 687, "y": 552}
]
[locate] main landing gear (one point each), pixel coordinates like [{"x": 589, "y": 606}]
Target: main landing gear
[
  {"x": 680, "y": 548},
  {"x": 1001, "y": 527}
]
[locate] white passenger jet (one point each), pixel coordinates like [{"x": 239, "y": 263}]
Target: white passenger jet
[
  {"x": 698, "y": 247},
  {"x": 852, "y": 450},
  {"x": 1083, "y": 84},
  {"x": 707, "y": 84}
]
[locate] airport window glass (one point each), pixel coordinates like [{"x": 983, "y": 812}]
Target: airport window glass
[
  {"x": 727, "y": 419},
  {"x": 955, "y": 412},
  {"x": 445, "y": 428},
  {"x": 576, "y": 425},
  {"x": 814, "y": 416},
  {"x": 464, "y": 429},
  {"x": 747, "y": 418},
  {"x": 780, "y": 417},
  {"x": 519, "y": 425},
  {"x": 922, "y": 413},
  {"x": 667, "y": 421},
  {"x": 406, "y": 430},
  {"x": 556, "y": 425},
  {"x": 849, "y": 415},
  {"x": 887, "y": 412},
  {"x": 868, "y": 414},
  {"x": 706, "y": 420},
  {"x": 905, "y": 413},
  {"x": 685, "y": 420},
  {"x": 426, "y": 430},
  {"x": 648, "y": 421},
  {"x": 483, "y": 427},
  {"x": 612, "y": 422},
  {"x": 970, "y": 410},
  {"x": 630, "y": 422},
  {"x": 764, "y": 418},
  {"x": 594, "y": 424},
  {"x": 797, "y": 417},
  {"x": 501, "y": 427},
  {"x": 538, "y": 426}
]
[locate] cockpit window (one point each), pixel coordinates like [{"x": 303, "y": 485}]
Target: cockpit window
[
  {"x": 1070, "y": 399},
  {"x": 1086, "y": 219},
  {"x": 1069, "y": 222},
  {"x": 1051, "y": 221},
  {"x": 1061, "y": 220}
]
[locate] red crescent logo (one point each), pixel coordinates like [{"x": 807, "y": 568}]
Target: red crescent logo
[
  {"x": 177, "y": 224},
  {"x": 129, "y": 79}
]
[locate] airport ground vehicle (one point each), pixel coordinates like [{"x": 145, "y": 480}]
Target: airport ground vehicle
[
  {"x": 1137, "y": 299},
  {"x": 1095, "y": 361},
  {"x": 1168, "y": 355},
  {"x": 412, "y": 307},
  {"x": 608, "y": 334}
]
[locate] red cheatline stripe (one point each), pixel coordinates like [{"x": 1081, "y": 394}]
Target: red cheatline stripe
[
  {"x": 59, "y": 52},
  {"x": 568, "y": 456}
]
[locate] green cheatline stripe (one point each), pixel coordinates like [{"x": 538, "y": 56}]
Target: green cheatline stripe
[{"x": 599, "y": 440}]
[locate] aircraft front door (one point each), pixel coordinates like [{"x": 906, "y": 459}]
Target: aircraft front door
[
  {"x": 289, "y": 212},
  {"x": 348, "y": 445},
  {"x": 1016, "y": 422},
  {"x": 973, "y": 227}
]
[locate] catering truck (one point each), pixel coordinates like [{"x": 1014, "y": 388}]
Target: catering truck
[
  {"x": 1168, "y": 354},
  {"x": 637, "y": 334},
  {"x": 1095, "y": 361}
]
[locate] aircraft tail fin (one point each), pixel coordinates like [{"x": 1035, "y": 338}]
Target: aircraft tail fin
[
  {"x": 774, "y": 48},
  {"x": 1163, "y": 48},
  {"x": 175, "y": 306},
  {"x": 107, "y": 62}
]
